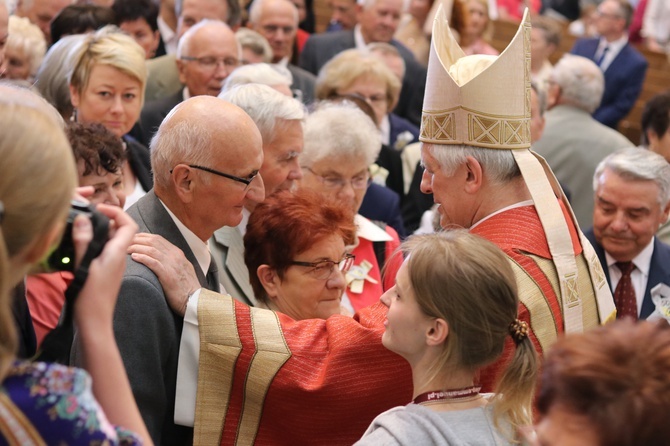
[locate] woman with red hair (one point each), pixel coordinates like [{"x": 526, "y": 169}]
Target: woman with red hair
[{"x": 295, "y": 248}]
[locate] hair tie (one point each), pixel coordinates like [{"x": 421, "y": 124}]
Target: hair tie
[{"x": 518, "y": 330}]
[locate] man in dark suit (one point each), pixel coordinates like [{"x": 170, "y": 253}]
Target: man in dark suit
[
  {"x": 207, "y": 54},
  {"x": 277, "y": 21},
  {"x": 206, "y": 157},
  {"x": 377, "y": 22},
  {"x": 624, "y": 67},
  {"x": 632, "y": 199}
]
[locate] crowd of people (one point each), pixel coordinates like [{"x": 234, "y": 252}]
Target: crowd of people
[{"x": 388, "y": 232}]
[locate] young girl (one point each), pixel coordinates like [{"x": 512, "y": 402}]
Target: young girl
[{"x": 453, "y": 305}]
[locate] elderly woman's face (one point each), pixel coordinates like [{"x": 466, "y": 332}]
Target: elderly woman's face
[
  {"x": 111, "y": 98},
  {"x": 373, "y": 90},
  {"x": 343, "y": 178},
  {"x": 18, "y": 64},
  {"x": 315, "y": 291}
]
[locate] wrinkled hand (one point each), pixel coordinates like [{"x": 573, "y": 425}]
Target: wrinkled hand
[
  {"x": 174, "y": 271},
  {"x": 95, "y": 305}
]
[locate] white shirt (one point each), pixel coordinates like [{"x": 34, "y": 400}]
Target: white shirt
[
  {"x": 361, "y": 45},
  {"x": 638, "y": 276},
  {"x": 168, "y": 35},
  {"x": 187, "y": 378},
  {"x": 615, "y": 48}
]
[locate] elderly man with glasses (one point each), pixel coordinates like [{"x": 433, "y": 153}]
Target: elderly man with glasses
[
  {"x": 205, "y": 158},
  {"x": 208, "y": 52}
]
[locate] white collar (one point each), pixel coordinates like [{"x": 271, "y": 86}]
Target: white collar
[
  {"x": 370, "y": 231},
  {"x": 500, "y": 211},
  {"x": 242, "y": 227},
  {"x": 168, "y": 35},
  {"x": 198, "y": 247},
  {"x": 361, "y": 45},
  {"x": 385, "y": 130},
  {"x": 642, "y": 261}
]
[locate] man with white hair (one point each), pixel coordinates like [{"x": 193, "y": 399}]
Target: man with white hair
[
  {"x": 632, "y": 199},
  {"x": 208, "y": 52},
  {"x": 280, "y": 121},
  {"x": 277, "y": 21},
  {"x": 573, "y": 142},
  {"x": 377, "y": 22},
  {"x": 478, "y": 166},
  {"x": 482, "y": 173},
  {"x": 163, "y": 79},
  {"x": 41, "y": 12}
]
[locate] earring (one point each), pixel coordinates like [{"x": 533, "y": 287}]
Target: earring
[{"x": 73, "y": 116}]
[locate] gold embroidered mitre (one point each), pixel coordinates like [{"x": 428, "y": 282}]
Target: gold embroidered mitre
[{"x": 478, "y": 100}]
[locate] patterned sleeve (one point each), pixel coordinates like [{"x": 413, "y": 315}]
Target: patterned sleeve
[{"x": 57, "y": 404}]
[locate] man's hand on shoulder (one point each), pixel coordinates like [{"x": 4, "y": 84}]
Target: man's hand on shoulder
[{"x": 174, "y": 271}]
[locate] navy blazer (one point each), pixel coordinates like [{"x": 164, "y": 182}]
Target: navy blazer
[
  {"x": 382, "y": 204},
  {"x": 659, "y": 270},
  {"x": 623, "y": 80},
  {"x": 399, "y": 125}
]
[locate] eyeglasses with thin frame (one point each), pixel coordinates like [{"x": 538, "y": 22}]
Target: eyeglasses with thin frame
[
  {"x": 324, "y": 269},
  {"x": 211, "y": 62},
  {"x": 246, "y": 181},
  {"x": 358, "y": 182}
]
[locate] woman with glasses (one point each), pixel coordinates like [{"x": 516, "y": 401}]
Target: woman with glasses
[
  {"x": 341, "y": 143},
  {"x": 107, "y": 87},
  {"x": 295, "y": 248}
]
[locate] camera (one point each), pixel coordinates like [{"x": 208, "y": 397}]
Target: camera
[{"x": 62, "y": 258}]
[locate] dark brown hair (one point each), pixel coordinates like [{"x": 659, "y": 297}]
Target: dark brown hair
[{"x": 99, "y": 149}]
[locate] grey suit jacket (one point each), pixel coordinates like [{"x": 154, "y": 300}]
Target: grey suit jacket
[
  {"x": 227, "y": 247},
  {"x": 573, "y": 144},
  {"x": 148, "y": 333},
  {"x": 304, "y": 82},
  {"x": 163, "y": 78}
]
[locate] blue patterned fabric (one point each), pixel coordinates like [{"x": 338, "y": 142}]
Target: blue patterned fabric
[{"x": 57, "y": 404}]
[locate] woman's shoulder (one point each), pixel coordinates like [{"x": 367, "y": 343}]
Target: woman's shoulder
[
  {"x": 59, "y": 404},
  {"x": 418, "y": 424}
]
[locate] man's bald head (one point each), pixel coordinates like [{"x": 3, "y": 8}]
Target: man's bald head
[{"x": 205, "y": 157}]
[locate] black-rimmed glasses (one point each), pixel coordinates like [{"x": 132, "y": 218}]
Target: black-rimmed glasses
[
  {"x": 246, "y": 181},
  {"x": 323, "y": 269}
]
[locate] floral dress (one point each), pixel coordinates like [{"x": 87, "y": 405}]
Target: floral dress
[{"x": 50, "y": 404}]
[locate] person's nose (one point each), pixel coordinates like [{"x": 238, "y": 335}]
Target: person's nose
[
  {"x": 347, "y": 191},
  {"x": 386, "y": 297},
  {"x": 117, "y": 105},
  {"x": 337, "y": 279},
  {"x": 256, "y": 191},
  {"x": 296, "y": 172},
  {"x": 112, "y": 199},
  {"x": 619, "y": 222},
  {"x": 426, "y": 182}
]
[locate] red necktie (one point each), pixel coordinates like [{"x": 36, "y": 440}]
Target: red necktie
[{"x": 624, "y": 295}]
